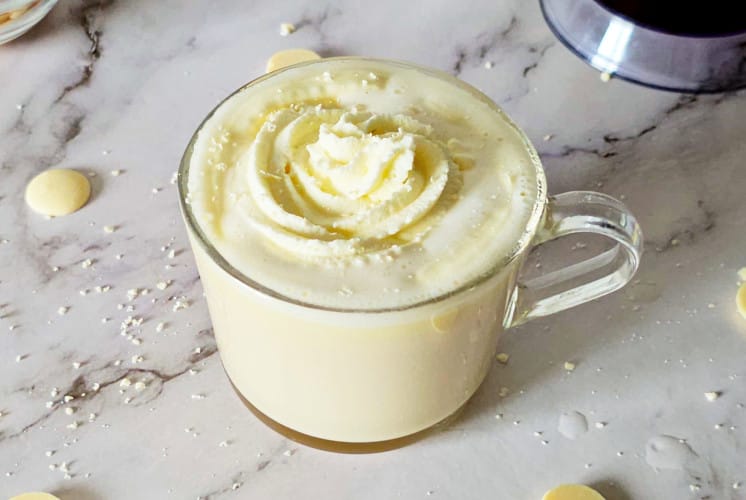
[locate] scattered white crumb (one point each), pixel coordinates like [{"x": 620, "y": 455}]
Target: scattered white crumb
[
  {"x": 127, "y": 401},
  {"x": 600, "y": 425},
  {"x": 503, "y": 392},
  {"x": 84, "y": 292},
  {"x": 136, "y": 341},
  {"x": 76, "y": 365},
  {"x": 197, "y": 350},
  {"x": 110, "y": 229},
  {"x": 137, "y": 359},
  {"x": 286, "y": 29},
  {"x": 605, "y": 77},
  {"x": 132, "y": 293},
  {"x": 235, "y": 486},
  {"x": 49, "y": 404},
  {"x": 742, "y": 274},
  {"x": 49, "y": 453},
  {"x": 125, "y": 382},
  {"x": 73, "y": 425},
  {"x": 119, "y": 256},
  {"x": 488, "y": 64},
  {"x": 548, "y": 137},
  {"x": 710, "y": 306},
  {"x": 86, "y": 263},
  {"x": 198, "y": 396},
  {"x": 223, "y": 444},
  {"x": 289, "y": 453},
  {"x": 569, "y": 366},
  {"x": 503, "y": 357},
  {"x": 174, "y": 177},
  {"x": 160, "y": 326},
  {"x": 736, "y": 485},
  {"x": 105, "y": 320},
  {"x": 69, "y": 410},
  {"x": 52, "y": 466},
  {"x": 171, "y": 253},
  {"x": 155, "y": 190},
  {"x": 180, "y": 303},
  {"x": 712, "y": 395},
  {"x": 20, "y": 358},
  {"x": 140, "y": 385},
  {"x": 162, "y": 285},
  {"x": 92, "y": 417},
  {"x": 116, "y": 173},
  {"x": 96, "y": 386}
]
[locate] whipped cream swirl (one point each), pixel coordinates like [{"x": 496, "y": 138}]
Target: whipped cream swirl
[{"x": 326, "y": 182}]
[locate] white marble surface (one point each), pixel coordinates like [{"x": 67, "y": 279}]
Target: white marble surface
[{"x": 111, "y": 85}]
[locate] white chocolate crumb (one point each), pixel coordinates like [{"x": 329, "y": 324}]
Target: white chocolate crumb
[
  {"x": 569, "y": 366},
  {"x": 69, "y": 410},
  {"x": 92, "y": 417},
  {"x": 86, "y": 263},
  {"x": 140, "y": 385},
  {"x": 162, "y": 285},
  {"x": 136, "y": 359},
  {"x": 110, "y": 229},
  {"x": 116, "y": 173},
  {"x": 712, "y": 395},
  {"x": 180, "y": 303},
  {"x": 76, "y": 365},
  {"x": 68, "y": 398},
  {"x": 136, "y": 341},
  {"x": 503, "y": 357},
  {"x": 286, "y": 29},
  {"x": 125, "y": 382},
  {"x": 96, "y": 386},
  {"x": 132, "y": 293},
  {"x": 73, "y": 425}
]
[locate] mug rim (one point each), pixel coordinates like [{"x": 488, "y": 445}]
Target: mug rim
[{"x": 520, "y": 246}]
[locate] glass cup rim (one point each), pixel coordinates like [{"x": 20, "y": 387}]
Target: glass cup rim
[{"x": 537, "y": 211}]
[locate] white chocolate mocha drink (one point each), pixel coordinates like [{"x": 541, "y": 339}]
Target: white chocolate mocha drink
[{"x": 336, "y": 208}]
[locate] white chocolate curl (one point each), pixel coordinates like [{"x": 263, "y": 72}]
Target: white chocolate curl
[{"x": 326, "y": 183}]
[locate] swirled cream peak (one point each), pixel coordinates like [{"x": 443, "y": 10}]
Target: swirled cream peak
[
  {"x": 327, "y": 182},
  {"x": 360, "y": 184}
]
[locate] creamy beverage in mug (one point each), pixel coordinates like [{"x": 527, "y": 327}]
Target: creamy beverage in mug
[{"x": 359, "y": 227}]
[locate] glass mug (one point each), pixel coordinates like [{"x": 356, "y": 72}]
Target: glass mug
[{"x": 368, "y": 380}]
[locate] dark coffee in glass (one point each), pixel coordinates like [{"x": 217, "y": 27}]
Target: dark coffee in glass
[{"x": 683, "y": 17}]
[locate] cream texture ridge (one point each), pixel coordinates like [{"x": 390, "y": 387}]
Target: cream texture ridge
[{"x": 361, "y": 184}]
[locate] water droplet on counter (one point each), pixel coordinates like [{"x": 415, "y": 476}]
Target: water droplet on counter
[
  {"x": 572, "y": 424},
  {"x": 668, "y": 452}
]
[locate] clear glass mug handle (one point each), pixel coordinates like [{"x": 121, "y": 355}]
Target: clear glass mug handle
[{"x": 572, "y": 213}]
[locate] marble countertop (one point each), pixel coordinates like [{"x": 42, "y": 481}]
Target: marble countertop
[{"x": 103, "y": 85}]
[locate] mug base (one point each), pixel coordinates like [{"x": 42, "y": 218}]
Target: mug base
[{"x": 343, "y": 446}]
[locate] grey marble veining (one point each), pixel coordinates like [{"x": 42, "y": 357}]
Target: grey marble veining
[{"x": 102, "y": 86}]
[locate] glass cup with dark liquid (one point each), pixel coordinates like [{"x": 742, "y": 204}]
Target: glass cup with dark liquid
[{"x": 665, "y": 44}]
